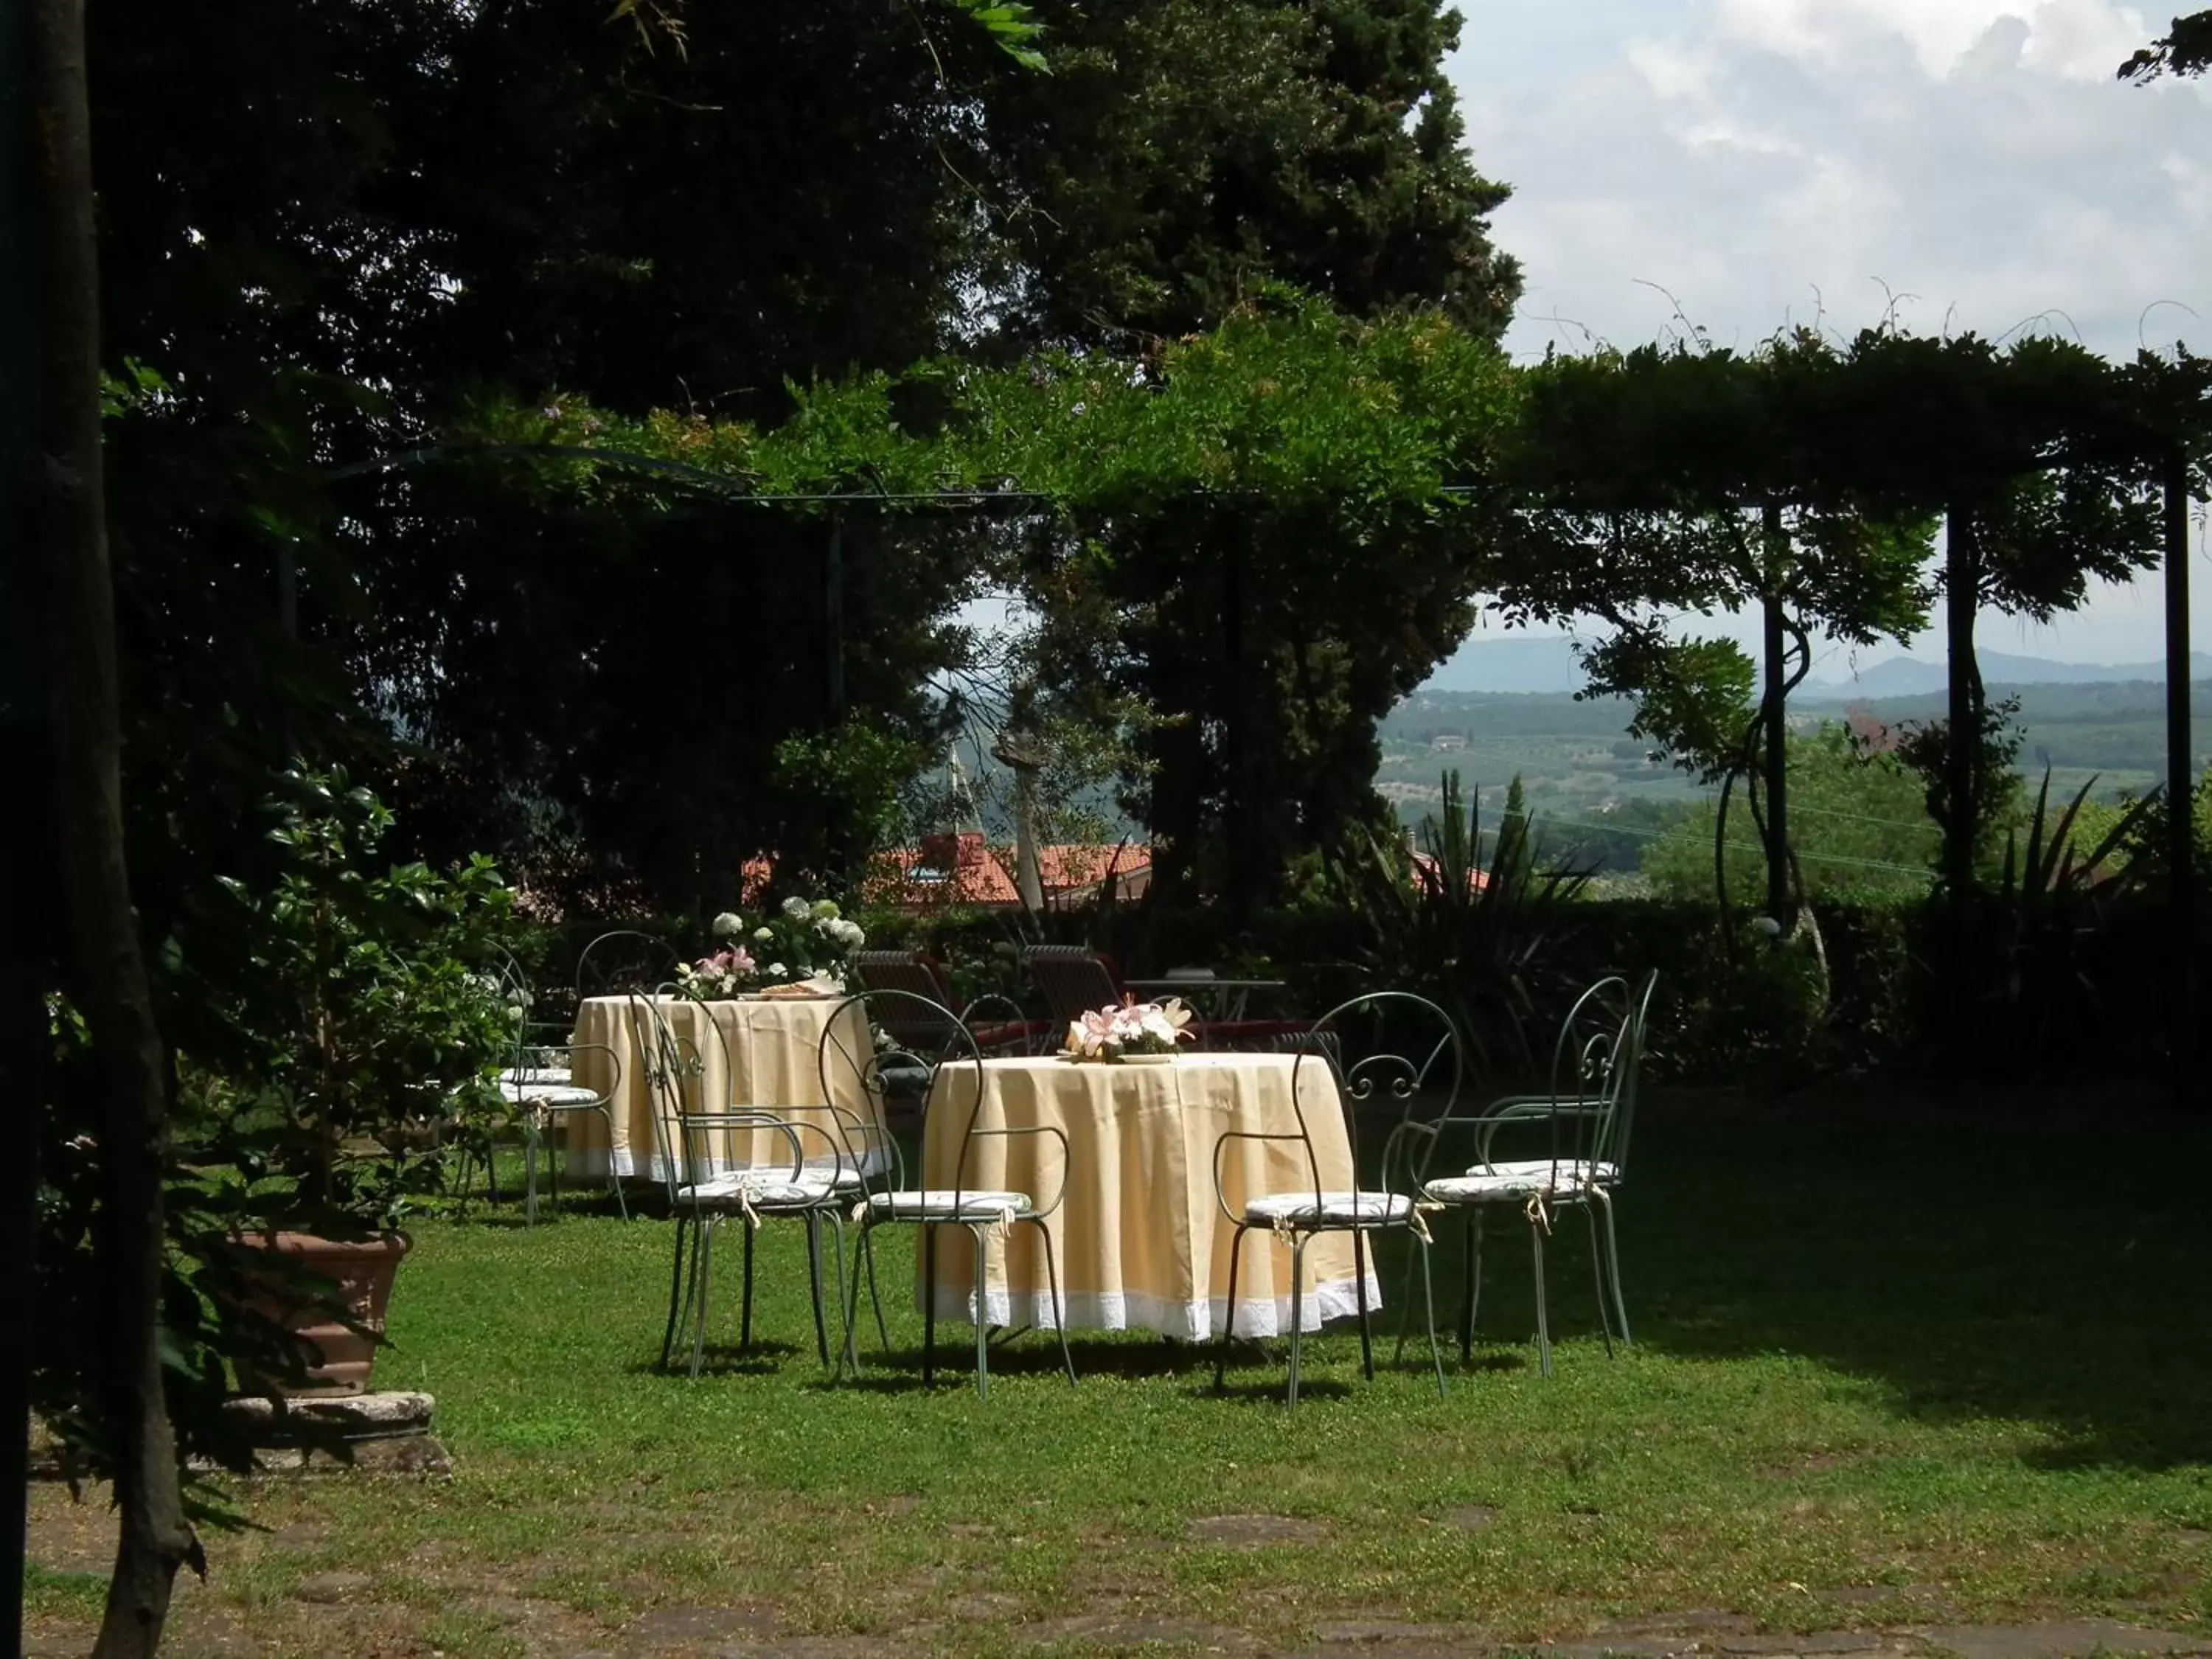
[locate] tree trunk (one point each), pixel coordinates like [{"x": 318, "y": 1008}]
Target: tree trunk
[
  {"x": 24, "y": 1043},
  {"x": 2181, "y": 783},
  {"x": 1779, "y": 900},
  {"x": 1029, "y": 874},
  {"x": 26, "y": 839},
  {"x": 108, "y": 975},
  {"x": 1720, "y": 861}
]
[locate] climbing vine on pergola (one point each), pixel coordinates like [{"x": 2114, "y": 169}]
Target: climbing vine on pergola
[{"x": 1326, "y": 501}]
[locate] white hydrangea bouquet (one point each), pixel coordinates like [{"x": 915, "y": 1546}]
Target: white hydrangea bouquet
[
  {"x": 803, "y": 941},
  {"x": 1134, "y": 1030}
]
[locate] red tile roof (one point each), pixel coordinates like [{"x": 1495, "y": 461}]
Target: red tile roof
[
  {"x": 1428, "y": 873},
  {"x": 948, "y": 870}
]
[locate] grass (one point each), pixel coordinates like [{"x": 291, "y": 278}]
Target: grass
[{"x": 1892, "y": 1366}]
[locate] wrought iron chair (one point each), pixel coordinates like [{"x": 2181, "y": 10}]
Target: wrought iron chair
[
  {"x": 1589, "y": 1113},
  {"x": 540, "y": 1084},
  {"x": 847, "y": 1149},
  {"x": 1430, "y": 1064},
  {"x": 702, "y": 1197},
  {"x": 956, "y": 1063},
  {"x": 478, "y": 1142},
  {"x": 997, "y": 1023},
  {"x": 1609, "y": 1128},
  {"x": 1077, "y": 979},
  {"x": 622, "y": 961},
  {"x": 532, "y": 1031},
  {"x": 536, "y": 1078}
]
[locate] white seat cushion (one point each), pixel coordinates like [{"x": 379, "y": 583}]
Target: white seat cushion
[
  {"x": 1540, "y": 1169},
  {"x": 1503, "y": 1184},
  {"x": 554, "y": 1096},
  {"x": 537, "y": 1074},
  {"x": 939, "y": 1204},
  {"x": 1334, "y": 1210},
  {"x": 768, "y": 1190}
]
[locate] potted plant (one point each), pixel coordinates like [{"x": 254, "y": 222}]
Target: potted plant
[{"x": 373, "y": 1041}]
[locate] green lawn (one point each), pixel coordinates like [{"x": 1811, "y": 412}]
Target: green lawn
[{"x": 1891, "y": 1367}]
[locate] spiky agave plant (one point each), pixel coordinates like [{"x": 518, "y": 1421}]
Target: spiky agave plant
[
  {"x": 2050, "y": 894},
  {"x": 1485, "y": 943}
]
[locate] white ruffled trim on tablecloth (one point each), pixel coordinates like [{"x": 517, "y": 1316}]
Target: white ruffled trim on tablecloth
[{"x": 1187, "y": 1322}]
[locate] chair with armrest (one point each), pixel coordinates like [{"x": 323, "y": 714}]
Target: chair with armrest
[
  {"x": 1585, "y": 1119},
  {"x": 985, "y": 1211},
  {"x": 997, "y": 1023},
  {"x": 1386, "y": 1048},
  {"x": 714, "y": 1171}
]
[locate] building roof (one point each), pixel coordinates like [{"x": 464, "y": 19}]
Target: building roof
[
  {"x": 965, "y": 869},
  {"x": 1427, "y": 872}
]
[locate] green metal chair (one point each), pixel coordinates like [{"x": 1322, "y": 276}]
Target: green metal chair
[
  {"x": 537, "y": 1078},
  {"x": 702, "y": 1193},
  {"x": 1587, "y": 1117},
  {"x": 540, "y": 1084},
  {"x": 1383, "y": 1067},
  {"x": 621, "y": 961},
  {"x": 955, "y": 1062},
  {"x": 998, "y": 1022}
]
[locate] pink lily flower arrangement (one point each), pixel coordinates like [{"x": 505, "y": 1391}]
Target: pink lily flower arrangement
[{"x": 1133, "y": 1027}]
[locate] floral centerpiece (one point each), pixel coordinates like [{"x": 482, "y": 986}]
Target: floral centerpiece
[
  {"x": 1131, "y": 1030},
  {"x": 804, "y": 940}
]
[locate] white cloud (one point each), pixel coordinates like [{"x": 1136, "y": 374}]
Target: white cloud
[
  {"x": 1760, "y": 160},
  {"x": 2080, "y": 37},
  {"x": 1761, "y": 149}
]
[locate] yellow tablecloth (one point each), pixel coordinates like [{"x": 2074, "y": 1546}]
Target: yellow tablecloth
[
  {"x": 1141, "y": 1240},
  {"x": 772, "y": 1047}
]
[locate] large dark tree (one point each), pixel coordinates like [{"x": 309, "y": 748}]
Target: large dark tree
[
  {"x": 1183, "y": 158},
  {"x": 404, "y": 205},
  {"x": 105, "y": 975},
  {"x": 384, "y": 204},
  {"x": 1183, "y": 154}
]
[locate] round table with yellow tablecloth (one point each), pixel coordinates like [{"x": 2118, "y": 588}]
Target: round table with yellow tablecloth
[
  {"x": 767, "y": 1059},
  {"x": 1142, "y": 1242}
]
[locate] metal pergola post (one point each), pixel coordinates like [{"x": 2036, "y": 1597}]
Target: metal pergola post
[{"x": 2181, "y": 784}]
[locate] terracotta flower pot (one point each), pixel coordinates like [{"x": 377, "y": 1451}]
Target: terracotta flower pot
[{"x": 363, "y": 1270}]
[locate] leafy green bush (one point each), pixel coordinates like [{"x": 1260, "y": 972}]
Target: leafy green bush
[
  {"x": 1858, "y": 823},
  {"x": 370, "y": 1026},
  {"x": 332, "y": 1028}
]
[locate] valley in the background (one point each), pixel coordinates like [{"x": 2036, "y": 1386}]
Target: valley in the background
[{"x": 1607, "y": 795}]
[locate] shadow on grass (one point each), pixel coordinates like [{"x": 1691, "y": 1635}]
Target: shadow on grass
[
  {"x": 1992, "y": 1264},
  {"x": 1256, "y": 1370},
  {"x": 760, "y": 1358}
]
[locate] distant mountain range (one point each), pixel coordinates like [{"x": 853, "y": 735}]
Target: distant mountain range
[
  {"x": 1907, "y": 676},
  {"x": 1547, "y": 664}
]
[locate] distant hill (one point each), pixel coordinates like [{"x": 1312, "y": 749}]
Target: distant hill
[
  {"x": 1547, "y": 664},
  {"x": 1907, "y": 676}
]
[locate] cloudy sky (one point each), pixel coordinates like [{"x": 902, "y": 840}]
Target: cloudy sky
[{"x": 1772, "y": 161}]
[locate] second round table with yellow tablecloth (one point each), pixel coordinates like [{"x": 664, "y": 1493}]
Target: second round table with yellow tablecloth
[
  {"x": 768, "y": 1058},
  {"x": 1142, "y": 1242}
]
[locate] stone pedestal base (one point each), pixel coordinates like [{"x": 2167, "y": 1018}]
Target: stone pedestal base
[{"x": 383, "y": 1433}]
